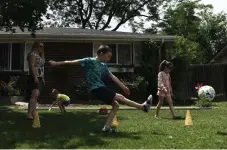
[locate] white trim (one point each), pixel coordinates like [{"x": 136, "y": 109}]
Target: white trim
[
  {"x": 131, "y": 51},
  {"x": 93, "y": 49},
  {"x": 117, "y": 53},
  {"x": 103, "y": 37},
  {"x": 10, "y": 53},
  {"x": 133, "y": 54},
  {"x": 11, "y": 41},
  {"x": 116, "y": 69},
  {"x": 59, "y": 39},
  {"x": 25, "y": 56},
  {"x": 11, "y": 70},
  {"x": 8, "y": 57}
]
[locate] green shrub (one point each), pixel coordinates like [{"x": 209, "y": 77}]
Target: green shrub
[
  {"x": 203, "y": 103},
  {"x": 81, "y": 90},
  {"x": 137, "y": 86}
]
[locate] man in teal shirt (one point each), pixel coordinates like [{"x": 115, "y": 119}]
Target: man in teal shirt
[{"x": 95, "y": 70}]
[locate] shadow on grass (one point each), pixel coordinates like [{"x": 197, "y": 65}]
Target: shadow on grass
[
  {"x": 222, "y": 133},
  {"x": 155, "y": 132},
  {"x": 170, "y": 118},
  {"x": 71, "y": 130}
]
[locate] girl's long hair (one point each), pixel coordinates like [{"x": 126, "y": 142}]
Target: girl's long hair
[{"x": 164, "y": 64}]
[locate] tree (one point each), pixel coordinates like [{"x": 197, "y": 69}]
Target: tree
[
  {"x": 187, "y": 50},
  {"x": 98, "y": 14},
  {"x": 204, "y": 33},
  {"x": 212, "y": 34},
  {"x": 22, "y": 13},
  {"x": 183, "y": 19}
]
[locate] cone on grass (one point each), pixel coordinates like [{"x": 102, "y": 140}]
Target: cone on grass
[
  {"x": 188, "y": 119},
  {"x": 115, "y": 122},
  {"x": 36, "y": 122}
]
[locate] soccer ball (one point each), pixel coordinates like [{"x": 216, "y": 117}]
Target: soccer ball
[
  {"x": 206, "y": 92},
  {"x": 103, "y": 111}
]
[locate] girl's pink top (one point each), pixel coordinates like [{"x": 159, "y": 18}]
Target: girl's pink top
[{"x": 164, "y": 84}]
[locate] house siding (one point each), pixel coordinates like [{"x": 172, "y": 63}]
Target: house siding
[
  {"x": 63, "y": 78},
  {"x": 222, "y": 60},
  {"x": 137, "y": 53}
]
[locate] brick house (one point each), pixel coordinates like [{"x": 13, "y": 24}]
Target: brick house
[{"x": 67, "y": 44}]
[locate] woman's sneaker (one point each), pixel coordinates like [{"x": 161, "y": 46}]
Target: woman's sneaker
[{"x": 147, "y": 104}]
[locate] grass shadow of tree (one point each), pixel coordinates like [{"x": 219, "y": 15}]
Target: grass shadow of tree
[
  {"x": 71, "y": 130},
  {"x": 157, "y": 132},
  {"x": 222, "y": 133},
  {"x": 170, "y": 118}
]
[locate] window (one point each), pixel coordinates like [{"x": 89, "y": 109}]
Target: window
[
  {"x": 114, "y": 53},
  {"x": 124, "y": 54},
  {"x": 4, "y": 56},
  {"x": 121, "y": 53},
  {"x": 11, "y": 56}
]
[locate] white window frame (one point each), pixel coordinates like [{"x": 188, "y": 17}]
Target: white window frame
[
  {"x": 131, "y": 51},
  {"x": 10, "y": 56}
]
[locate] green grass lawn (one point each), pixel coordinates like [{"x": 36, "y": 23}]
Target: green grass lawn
[{"x": 81, "y": 129}]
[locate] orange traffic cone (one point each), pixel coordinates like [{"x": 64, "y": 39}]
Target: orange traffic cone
[
  {"x": 36, "y": 122},
  {"x": 115, "y": 122},
  {"x": 188, "y": 119}
]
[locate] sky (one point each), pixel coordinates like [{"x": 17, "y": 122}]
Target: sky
[{"x": 219, "y": 5}]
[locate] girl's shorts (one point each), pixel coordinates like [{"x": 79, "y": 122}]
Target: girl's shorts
[
  {"x": 65, "y": 103},
  {"x": 163, "y": 93},
  {"x": 104, "y": 94}
]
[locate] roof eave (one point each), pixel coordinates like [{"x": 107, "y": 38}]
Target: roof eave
[
  {"x": 89, "y": 37},
  {"x": 218, "y": 55}
]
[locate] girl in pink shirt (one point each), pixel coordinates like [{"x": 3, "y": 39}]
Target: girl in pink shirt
[{"x": 165, "y": 88}]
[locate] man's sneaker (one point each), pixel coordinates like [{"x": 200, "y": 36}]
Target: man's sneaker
[
  {"x": 147, "y": 104},
  {"x": 109, "y": 130}
]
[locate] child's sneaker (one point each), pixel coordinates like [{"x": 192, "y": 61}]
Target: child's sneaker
[
  {"x": 157, "y": 117},
  {"x": 109, "y": 130},
  {"x": 112, "y": 130},
  {"x": 147, "y": 104}
]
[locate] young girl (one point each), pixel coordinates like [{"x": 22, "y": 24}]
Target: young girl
[
  {"x": 95, "y": 69},
  {"x": 165, "y": 88},
  {"x": 61, "y": 99}
]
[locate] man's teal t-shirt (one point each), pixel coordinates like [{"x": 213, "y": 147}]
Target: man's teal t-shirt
[{"x": 95, "y": 70}]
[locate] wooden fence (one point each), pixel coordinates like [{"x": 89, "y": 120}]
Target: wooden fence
[
  {"x": 184, "y": 86},
  {"x": 208, "y": 74}
]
